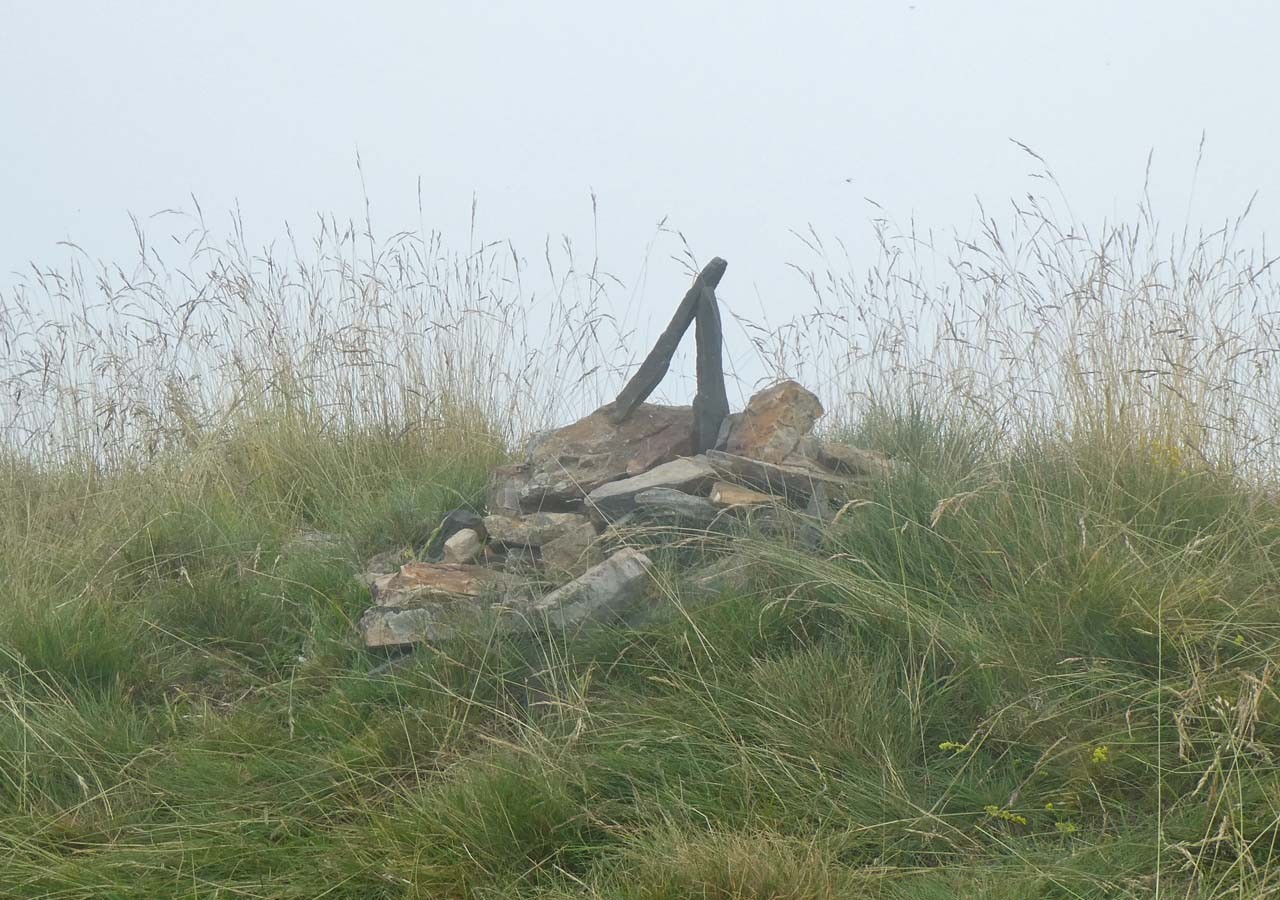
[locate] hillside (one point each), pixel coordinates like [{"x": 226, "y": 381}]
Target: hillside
[{"x": 1036, "y": 660}]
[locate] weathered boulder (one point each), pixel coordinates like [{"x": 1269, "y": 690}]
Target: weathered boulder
[
  {"x": 464, "y": 546},
  {"x": 532, "y": 529},
  {"x": 567, "y": 464},
  {"x": 574, "y": 551},
  {"x": 725, "y": 494},
  {"x": 774, "y": 422},
  {"x": 419, "y": 583},
  {"x": 604, "y": 592},
  {"x": 688, "y": 474}
]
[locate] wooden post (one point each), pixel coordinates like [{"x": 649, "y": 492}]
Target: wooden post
[{"x": 655, "y": 365}]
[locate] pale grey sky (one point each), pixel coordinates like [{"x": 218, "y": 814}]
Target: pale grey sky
[{"x": 736, "y": 121}]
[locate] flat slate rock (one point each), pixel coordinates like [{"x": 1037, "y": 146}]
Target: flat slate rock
[
  {"x": 842, "y": 459},
  {"x": 774, "y": 478},
  {"x": 684, "y": 509},
  {"x": 386, "y": 627},
  {"x": 604, "y": 592},
  {"x": 419, "y": 583},
  {"x": 532, "y": 529},
  {"x": 617, "y": 498}
]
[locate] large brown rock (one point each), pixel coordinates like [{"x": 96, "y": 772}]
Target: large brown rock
[
  {"x": 774, "y": 422},
  {"x": 567, "y": 464}
]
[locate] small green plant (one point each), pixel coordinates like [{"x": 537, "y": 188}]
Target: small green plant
[{"x": 1004, "y": 815}]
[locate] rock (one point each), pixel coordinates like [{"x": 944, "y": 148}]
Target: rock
[
  {"x": 684, "y": 509},
  {"x": 796, "y": 482},
  {"x": 463, "y": 547},
  {"x": 617, "y": 498},
  {"x": 454, "y": 521},
  {"x": 725, "y": 494},
  {"x": 567, "y": 464},
  {"x": 430, "y": 623},
  {"x": 386, "y": 563},
  {"x": 521, "y": 562},
  {"x": 381, "y": 627},
  {"x": 418, "y": 583},
  {"x": 532, "y": 530},
  {"x": 606, "y": 591},
  {"x": 505, "y": 484},
  {"x": 574, "y": 551},
  {"x": 844, "y": 459},
  {"x": 726, "y": 428},
  {"x": 774, "y": 422}
]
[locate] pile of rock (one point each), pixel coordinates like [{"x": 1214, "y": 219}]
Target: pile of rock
[{"x": 554, "y": 518}]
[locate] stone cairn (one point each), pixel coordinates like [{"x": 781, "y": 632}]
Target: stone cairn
[{"x": 556, "y": 519}]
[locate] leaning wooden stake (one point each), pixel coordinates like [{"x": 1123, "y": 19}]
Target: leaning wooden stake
[{"x": 711, "y": 405}]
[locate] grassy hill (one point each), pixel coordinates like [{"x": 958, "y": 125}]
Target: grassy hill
[{"x": 1040, "y": 661}]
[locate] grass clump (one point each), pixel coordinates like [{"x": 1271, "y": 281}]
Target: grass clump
[{"x": 1039, "y": 660}]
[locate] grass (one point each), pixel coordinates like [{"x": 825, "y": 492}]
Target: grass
[{"x": 1039, "y": 661}]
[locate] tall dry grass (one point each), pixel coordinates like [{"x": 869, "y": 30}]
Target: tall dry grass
[{"x": 1035, "y": 324}]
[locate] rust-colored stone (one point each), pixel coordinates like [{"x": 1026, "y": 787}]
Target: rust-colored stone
[
  {"x": 418, "y": 582},
  {"x": 774, "y": 422},
  {"x": 725, "y": 494}
]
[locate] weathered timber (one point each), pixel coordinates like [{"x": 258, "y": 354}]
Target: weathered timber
[{"x": 655, "y": 365}]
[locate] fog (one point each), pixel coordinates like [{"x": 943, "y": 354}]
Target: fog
[{"x": 736, "y": 125}]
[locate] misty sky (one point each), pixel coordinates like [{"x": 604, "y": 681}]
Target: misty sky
[{"x": 737, "y": 122}]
